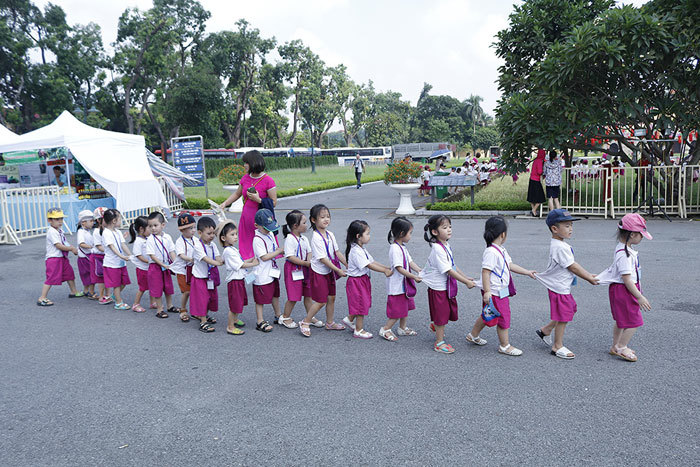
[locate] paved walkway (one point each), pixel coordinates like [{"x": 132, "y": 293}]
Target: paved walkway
[{"x": 82, "y": 384}]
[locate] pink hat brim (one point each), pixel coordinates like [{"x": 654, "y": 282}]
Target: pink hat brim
[{"x": 646, "y": 235}]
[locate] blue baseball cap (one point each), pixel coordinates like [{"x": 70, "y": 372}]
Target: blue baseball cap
[
  {"x": 558, "y": 215},
  {"x": 265, "y": 219}
]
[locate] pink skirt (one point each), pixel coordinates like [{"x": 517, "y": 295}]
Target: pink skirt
[
  {"x": 263, "y": 294},
  {"x": 398, "y": 306},
  {"x": 159, "y": 281},
  {"x": 624, "y": 307},
  {"x": 58, "y": 271},
  {"x": 116, "y": 277},
  {"x": 296, "y": 289},
  {"x": 442, "y": 309},
  {"x": 322, "y": 286},
  {"x": 237, "y": 296},
  {"x": 359, "y": 293},
  {"x": 561, "y": 307},
  {"x": 94, "y": 260},
  {"x": 503, "y": 307},
  {"x": 201, "y": 298},
  {"x": 142, "y": 279},
  {"x": 84, "y": 269}
]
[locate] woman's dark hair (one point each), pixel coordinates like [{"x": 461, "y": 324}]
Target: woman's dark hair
[
  {"x": 255, "y": 161},
  {"x": 552, "y": 155},
  {"x": 495, "y": 226},
  {"x": 229, "y": 226},
  {"x": 316, "y": 211},
  {"x": 355, "y": 229},
  {"x": 400, "y": 226},
  {"x": 293, "y": 219},
  {"x": 108, "y": 217},
  {"x": 139, "y": 223},
  {"x": 157, "y": 215},
  {"x": 434, "y": 222},
  {"x": 623, "y": 235},
  {"x": 205, "y": 223}
]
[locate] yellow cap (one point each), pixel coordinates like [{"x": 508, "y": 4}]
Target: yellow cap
[{"x": 55, "y": 213}]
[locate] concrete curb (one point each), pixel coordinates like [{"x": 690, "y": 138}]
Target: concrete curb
[{"x": 426, "y": 213}]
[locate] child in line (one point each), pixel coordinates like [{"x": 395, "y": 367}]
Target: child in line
[
  {"x": 400, "y": 284},
  {"x": 559, "y": 276},
  {"x": 161, "y": 253},
  {"x": 116, "y": 255},
  {"x": 326, "y": 259},
  {"x": 297, "y": 280},
  {"x": 98, "y": 256},
  {"x": 358, "y": 286},
  {"x": 58, "y": 268},
  {"x": 625, "y": 291},
  {"x": 205, "y": 275},
  {"x": 85, "y": 245},
  {"x": 140, "y": 231},
  {"x": 266, "y": 287},
  {"x": 235, "y": 275},
  {"x": 441, "y": 275},
  {"x": 497, "y": 285},
  {"x": 182, "y": 266}
]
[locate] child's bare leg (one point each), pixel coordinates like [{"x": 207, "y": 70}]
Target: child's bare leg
[
  {"x": 559, "y": 329},
  {"x": 137, "y": 299},
  {"x": 312, "y": 310},
  {"x": 390, "y": 324},
  {"x": 502, "y": 337},
  {"x": 439, "y": 333},
  {"x": 330, "y": 309},
  {"x": 183, "y": 302},
  {"x": 159, "y": 303},
  {"x": 402, "y": 323},
  {"x": 478, "y": 327},
  {"x": 258, "y": 313},
  {"x": 626, "y": 336},
  {"x": 118, "y": 294},
  {"x": 71, "y": 284},
  {"x": 359, "y": 322},
  {"x": 288, "y": 307},
  {"x": 547, "y": 330},
  {"x": 168, "y": 301},
  {"x": 616, "y": 335},
  {"x": 153, "y": 300},
  {"x": 44, "y": 291},
  {"x": 232, "y": 320},
  {"x": 276, "y": 306}
]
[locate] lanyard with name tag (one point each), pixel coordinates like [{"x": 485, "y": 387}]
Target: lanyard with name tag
[
  {"x": 298, "y": 273},
  {"x": 118, "y": 243},
  {"x": 274, "y": 270}
]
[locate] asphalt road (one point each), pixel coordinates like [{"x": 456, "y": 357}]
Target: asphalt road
[{"x": 83, "y": 384}]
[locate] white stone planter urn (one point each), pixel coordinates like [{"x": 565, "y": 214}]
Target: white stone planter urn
[
  {"x": 405, "y": 191},
  {"x": 237, "y": 206}
]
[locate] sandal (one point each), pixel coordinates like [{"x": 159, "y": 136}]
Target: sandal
[
  {"x": 563, "y": 352},
  {"x": 153, "y": 306},
  {"x": 121, "y": 306},
  {"x": 263, "y": 326},
  {"x": 105, "y": 300},
  {"x": 406, "y": 331},
  {"x": 138, "y": 308},
  {"x": 317, "y": 323},
  {"x": 161, "y": 314},
  {"x": 44, "y": 302},
  {"x": 432, "y": 326},
  {"x": 628, "y": 356},
  {"x": 476, "y": 340},
  {"x": 205, "y": 327},
  {"x": 348, "y": 323},
  {"x": 184, "y": 317},
  {"x": 545, "y": 338},
  {"x": 510, "y": 350},
  {"x": 93, "y": 296},
  {"x": 172, "y": 309},
  {"x": 362, "y": 334},
  {"x": 239, "y": 323},
  {"x": 235, "y": 332},
  {"x": 334, "y": 326},
  {"x": 443, "y": 347},
  {"x": 388, "y": 335},
  {"x": 282, "y": 321},
  {"x": 76, "y": 295},
  {"x": 211, "y": 319},
  {"x": 304, "y": 328}
]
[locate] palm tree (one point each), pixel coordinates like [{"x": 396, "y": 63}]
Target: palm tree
[{"x": 473, "y": 110}]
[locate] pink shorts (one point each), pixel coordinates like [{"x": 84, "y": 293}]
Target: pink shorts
[
  {"x": 398, "y": 306},
  {"x": 201, "y": 298},
  {"x": 58, "y": 271},
  {"x": 624, "y": 307},
  {"x": 296, "y": 290},
  {"x": 322, "y": 286},
  {"x": 359, "y": 293},
  {"x": 503, "y": 307},
  {"x": 159, "y": 281},
  {"x": 116, "y": 277},
  {"x": 561, "y": 307},
  {"x": 142, "y": 279},
  {"x": 94, "y": 260},
  {"x": 263, "y": 294},
  {"x": 84, "y": 269},
  {"x": 237, "y": 296},
  {"x": 442, "y": 309}
]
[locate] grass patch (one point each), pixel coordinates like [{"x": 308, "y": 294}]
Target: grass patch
[{"x": 499, "y": 195}]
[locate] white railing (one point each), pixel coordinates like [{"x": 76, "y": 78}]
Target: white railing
[
  {"x": 690, "y": 192},
  {"x": 23, "y": 212}
]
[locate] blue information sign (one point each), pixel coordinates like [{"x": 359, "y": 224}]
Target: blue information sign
[{"x": 188, "y": 156}]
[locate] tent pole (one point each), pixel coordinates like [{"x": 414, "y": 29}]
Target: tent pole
[{"x": 70, "y": 194}]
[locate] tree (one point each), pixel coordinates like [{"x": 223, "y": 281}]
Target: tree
[
  {"x": 321, "y": 99},
  {"x": 388, "y": 121},
  {"x": 484, "y": 138},
  {"x": 438, "y": 118},
  {"x": 473, "y": 111},
  {"x": 358, "y": 103}
]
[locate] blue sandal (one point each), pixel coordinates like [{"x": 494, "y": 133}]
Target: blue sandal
[{"x": 443, "y": 347}]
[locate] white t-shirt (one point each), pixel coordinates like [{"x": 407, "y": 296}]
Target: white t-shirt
[
  {"x": 318, "y": 251},
  {"x": 113, "y": 237},
  {"x": 294, "y": 246},
  {"x": 200, "y": 269},
  {"x": 139, "y": 248},
  {"x": 53, "y": 237},
  {"x": 185, "y": 247},
  {"x": 262, "y": 245},
  {"x": 358, "y": 259},
  {"x": 493, "y": 261},
  {"x": 357, "y": 163},
  {"x": 233, "y": 261},
  {"x": 557, "y": 277},
  {"x": 96, "y": 240},
  {"x": 434, "y": 274},
  {"x": 84, "y": 237},
  {"x": 622, "y": 265},
  {"x": 160, "y": 247},
  {"x": 394, "y": 283}
]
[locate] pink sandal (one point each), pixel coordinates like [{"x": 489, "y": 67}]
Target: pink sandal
[
  {"x": 138, "y": 308},
  {"x": 334, "y": 326}
]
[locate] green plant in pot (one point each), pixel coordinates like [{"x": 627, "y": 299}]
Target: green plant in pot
[{"x": 402, "y": 172}]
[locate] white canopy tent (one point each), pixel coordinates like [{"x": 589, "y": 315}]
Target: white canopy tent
[{"x": 117, "y": 161}]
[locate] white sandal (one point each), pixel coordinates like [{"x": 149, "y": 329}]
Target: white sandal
[
  {"x": 317, "y": 324},
  {"x": 388, "y": 335},
  {"x": 362, "y": 334},
  {"x": 406, "y": 331},
  {"x": 285, "y": 322},
  {"x": 563, "y": 352},
  {"x": 510, "y": 350},
  {"x": 475, "y": 340},
  {"x": 348, "y": 323}
]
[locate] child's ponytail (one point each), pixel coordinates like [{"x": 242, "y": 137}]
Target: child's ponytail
[
  {"x": 355, "y": 230},
  {"x": 400, "y": 226},
  {"x": 434, "y": 223},
  {"x": 623, "y": 235},
  {"x": 293, "y": 219},
  {"x": 495, "y": 226},
  {"x": 139, "y": 223}
]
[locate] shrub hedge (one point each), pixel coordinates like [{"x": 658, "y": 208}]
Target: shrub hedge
[
  {"x": 465, "y": 205},
  {"x": 214, "y": 166}
]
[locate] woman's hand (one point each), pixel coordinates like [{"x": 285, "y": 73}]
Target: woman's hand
[{"x": 255, "y": 197}]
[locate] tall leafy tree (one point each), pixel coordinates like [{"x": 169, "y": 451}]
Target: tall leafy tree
[{"x": 473, "y": 111}]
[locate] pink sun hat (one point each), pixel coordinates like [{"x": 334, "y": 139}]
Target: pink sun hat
[{"x": 635, "y": 223}]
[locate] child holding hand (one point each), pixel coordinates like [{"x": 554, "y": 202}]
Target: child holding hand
[
  {"x": 85, "y": 245},
  {"x": 140, "y": 231},
  {"x": 235, "y": 276},
  {"x": 297, "y": 280},
  {"x": 205, "y": 275},
  {"x": 266, "y": 288},
  {"x": 116, "y": 255},
  {"x": 161, "y": 253},
  {"x": 182, "y": 266},
  {"x": 58, "y": 268}
]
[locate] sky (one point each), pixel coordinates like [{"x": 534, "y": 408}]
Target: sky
[{"x": 398, "y": 45}]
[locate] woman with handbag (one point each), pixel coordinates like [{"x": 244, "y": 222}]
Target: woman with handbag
[{"x": 535, "y": 193}]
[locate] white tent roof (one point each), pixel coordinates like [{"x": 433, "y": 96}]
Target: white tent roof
[
  {"x": 117, "y": 161},
  {"x": 7, "y": 136}
]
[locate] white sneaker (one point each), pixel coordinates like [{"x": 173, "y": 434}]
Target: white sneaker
[{"x": 348, "y": 323}]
